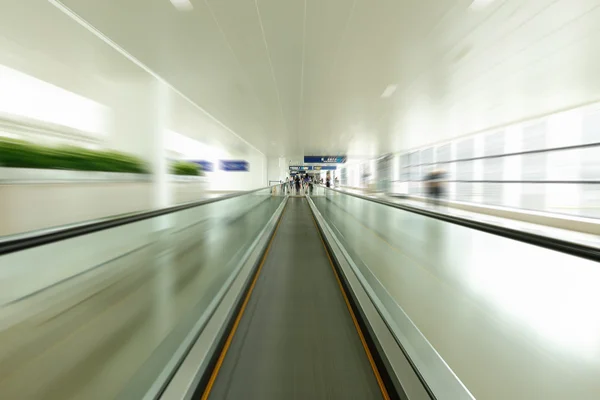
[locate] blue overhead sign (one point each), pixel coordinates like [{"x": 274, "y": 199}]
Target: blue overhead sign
[
  {"x": 325, "y": 159},
  {"x": 312, "y": 167},
  {"x": 207, "y": 166},
  {"x": 234, "y": 165}
]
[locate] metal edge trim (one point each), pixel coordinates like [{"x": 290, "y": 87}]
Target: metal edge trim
[
  {"x": 405, "y": 380},
  {"x": 196, "y": 364}
]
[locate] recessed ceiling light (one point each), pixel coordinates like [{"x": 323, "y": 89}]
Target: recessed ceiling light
[
  {"x": 183, "y": 5},
  {"x": 480, "y": 4},
  {"x": 389, "y": 91}
]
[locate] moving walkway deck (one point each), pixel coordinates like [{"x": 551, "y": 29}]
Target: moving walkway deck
[
  {"x": 296, "y": 336},
  {"x": 211, "y": 300}
]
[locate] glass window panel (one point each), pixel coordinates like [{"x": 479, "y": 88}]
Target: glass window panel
[
  {"x": 450, "y": 188},
  {"x": 492, "y": 193},
  {"x": 414, "y": 188},
  {"x": 512, "y": 168},
  {"x": 564, "y": 165},
  {"x": 427, "y": 156},
  {"x": 590, "y": 163},
  {"x": 465, "y": 149},
  {"x": 562, "y": 198},
  {"x": 512, "y": 195},
  {"x": 443, "y": 153},
  {"x": 591, "y": 128},
  {"x": 414, "y": 158},
  {"x": 404, "y": 160},
  {"x": 405, "y": 174},
  {"x": 533, "y": 167},
  {"x": 450, "y": 170},
  {"x": 463, "y": 191},
  {"x": 493, "y": 144},
  {"x": 464, "y": 170},
  {"x": 534, "y": 136},
  {"x": 493, "y": 169},
  {"x": 477, "y": 192},
  {"x": 564, "y": 129},
  {"x": 533, "y": 196},
  {"x": 589, "y": 195}
]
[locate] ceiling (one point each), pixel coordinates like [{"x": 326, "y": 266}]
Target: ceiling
[
  {"x": 52, "y": 47},
  {"x": 306, "y": 76}
]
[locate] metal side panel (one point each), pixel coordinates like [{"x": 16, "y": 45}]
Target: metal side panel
[
  {"x": 402, "y": 375},
  {"x": 295, "y": 336},
  {"x": 198, "y": 362}
]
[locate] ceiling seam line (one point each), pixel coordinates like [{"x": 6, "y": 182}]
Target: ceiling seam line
[
  {"x": 534, "y": 43},
  {"x": 84, "y": 23},
  {"x": 264, "y": 35},
  {"x": 533, "y": 119},
  {"x": 301, "y": 105},
  {"x": 346, "y": 25},
  {"x": 497, "y": 40},
  {"x": 530, "y": 64},
  {"x": 427, "y": 35},
  {"x": 440, "y": 20},
  {"x": 214, "y": 17},
  {"x": 462, "y": 38}
]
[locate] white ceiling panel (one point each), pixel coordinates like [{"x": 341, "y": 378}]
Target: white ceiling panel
[
  {"x": 306, "y": 76},
  {"x": 238, "y": 23},
  {"x": 187, "y": 49},
  {"x": 271, "y": 62},
  {"x": 50, "y": 46}
]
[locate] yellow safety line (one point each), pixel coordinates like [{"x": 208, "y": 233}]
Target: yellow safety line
[
  {"x": 354, "y": 320},
  {"x": 215, "y": 372}
]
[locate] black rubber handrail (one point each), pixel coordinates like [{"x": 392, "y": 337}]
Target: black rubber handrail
[
  {"x": 580, "y": 182},
  {"x": 19, "y": 244},
  {"x": 564, "y": 246}
]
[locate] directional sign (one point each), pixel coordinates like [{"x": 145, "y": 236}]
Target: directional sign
[
  {"x": 234, "y": 165},
  {"x": 207, "y": 166},
  {"x": 325, "y": 159}
]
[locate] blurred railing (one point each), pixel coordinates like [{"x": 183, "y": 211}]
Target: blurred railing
[
  {"x": 562, "y": 180},
  {"x": 112, "y": 307}
]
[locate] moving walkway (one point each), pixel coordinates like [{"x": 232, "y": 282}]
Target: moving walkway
[{"x": 261, "y": 296}]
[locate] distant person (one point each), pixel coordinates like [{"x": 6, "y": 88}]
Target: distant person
[
  {"x": 328, "y": 181},
  {"x": 297, "y": 181},
  {"x": 435, "y": 188}
]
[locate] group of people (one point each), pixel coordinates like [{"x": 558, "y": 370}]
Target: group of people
[
  {"x": 298, "y": 183},
  {"x": 304, "y": 183}
]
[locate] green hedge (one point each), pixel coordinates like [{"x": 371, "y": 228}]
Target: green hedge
[
  {"x": 21, "y": 154},
  {"x": 186, "y": 168}
]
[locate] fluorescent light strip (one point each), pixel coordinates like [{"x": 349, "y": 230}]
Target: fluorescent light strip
[
  {"x": 183, "y": 5},
  {"x": 389, "y": 91}
]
